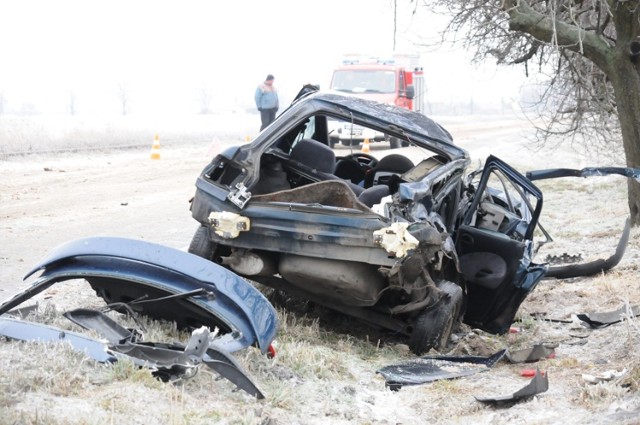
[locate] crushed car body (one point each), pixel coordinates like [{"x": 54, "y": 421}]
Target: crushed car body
[{"x": 409, "y": 242}]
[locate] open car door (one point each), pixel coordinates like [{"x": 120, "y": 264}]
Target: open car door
[{"x": 495, "y": 246}]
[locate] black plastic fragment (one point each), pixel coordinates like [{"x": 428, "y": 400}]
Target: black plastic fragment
[
  {"x": 99, "y": 322},
  {"x": 433, "y": 368},
  {"x": 531, "y": 354},
  {"x": 538, "y": 384},
  {"x": 602, "y": 320},
  {"x": 225, "y": 365}
]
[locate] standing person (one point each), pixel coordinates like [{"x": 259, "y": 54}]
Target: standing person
[{"x": 267, "y": 101}]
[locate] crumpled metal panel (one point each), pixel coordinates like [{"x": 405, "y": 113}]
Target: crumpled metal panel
[{"x": 188, "y": 285}]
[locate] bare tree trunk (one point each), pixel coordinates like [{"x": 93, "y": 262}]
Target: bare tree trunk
[{"x": 625, "y": 79}]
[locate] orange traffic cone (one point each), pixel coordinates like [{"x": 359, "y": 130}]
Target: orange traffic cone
[
  {"x": 155, "y": 148},
  {"x": 365, "y": 146}
]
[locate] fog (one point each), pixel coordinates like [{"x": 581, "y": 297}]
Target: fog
[{"x": 165, "y": 57}]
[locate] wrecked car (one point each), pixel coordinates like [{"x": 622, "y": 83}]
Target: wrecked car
[{"x": 412, "y": 242}]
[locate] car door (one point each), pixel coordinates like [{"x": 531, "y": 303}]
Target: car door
[{"x": 495, "y": 245}]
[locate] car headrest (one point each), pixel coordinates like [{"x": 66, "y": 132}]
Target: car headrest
[
  {"x": 314, "y": 154},
  {"x": 386, "y": 167},
  {"x": 395, "y": 163}
]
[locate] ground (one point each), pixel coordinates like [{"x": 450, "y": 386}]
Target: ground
[{"x": 324, "y": 371}]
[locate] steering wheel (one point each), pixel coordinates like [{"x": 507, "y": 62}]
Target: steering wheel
[
  {"x": 362, "y": 159},
  {"x": 355, "y": 166}
]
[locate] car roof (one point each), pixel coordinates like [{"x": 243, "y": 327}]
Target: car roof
[{"x": 421, "y": 129}]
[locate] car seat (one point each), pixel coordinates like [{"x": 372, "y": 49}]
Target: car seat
[
  {"x": 390, "y": 164},
  {"x": 314, "y": 155},
  {"x": 374, "y": 194},
  {"x": 313, "y": 161}
]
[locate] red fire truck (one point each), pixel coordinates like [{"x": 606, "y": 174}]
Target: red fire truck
[{"x": 397, "y": 80}]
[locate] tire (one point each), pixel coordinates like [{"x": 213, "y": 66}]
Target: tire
[
  {"x": 433, "y": 327},
  {"x": 456, "y": 296},
  {"x": 201, "y": 245},
  {"x": 395, "y": 143}
]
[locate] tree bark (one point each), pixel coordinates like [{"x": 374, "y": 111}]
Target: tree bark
[
  {"x": 626, "y": 86},
  {"x": 626, "y": 91},
  {"x": 624, "y": 74}
]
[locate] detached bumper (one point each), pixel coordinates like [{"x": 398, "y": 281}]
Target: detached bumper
[{"x": 163, "y": 283}]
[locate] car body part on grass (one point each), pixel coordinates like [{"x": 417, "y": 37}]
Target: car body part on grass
[
  {"x": 538, "y": 384},
  {"x": 531, "y": 354},
  {"x": 168, "y": 362},
  {"x": 105, "y": 326},
  {"x": 171, "y": 361},
  {"x": 602, "y": 320},
  {"x": 412, "y": 242},
  {"x": 163, "y": 283},
  {"x": 434, "y": 368},
  {"x": 22, "y": 330},
  {"x": 600, "y": 265},
  {"x": 593, "y": 267}
]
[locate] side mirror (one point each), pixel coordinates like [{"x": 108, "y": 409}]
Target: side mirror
[{"x": 410, "y": 92}]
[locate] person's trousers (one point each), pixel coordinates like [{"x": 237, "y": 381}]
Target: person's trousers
[{"x": 267, "y": 116}]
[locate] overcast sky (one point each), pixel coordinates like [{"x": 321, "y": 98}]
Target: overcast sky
[{"x": 167, "y": 53}]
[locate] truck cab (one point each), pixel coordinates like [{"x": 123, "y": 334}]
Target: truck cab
[
  {"x": 382, "y": 82},
  {"x": 395, "y": 81}
]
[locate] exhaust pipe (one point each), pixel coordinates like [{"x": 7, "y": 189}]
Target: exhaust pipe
[{"x": 250, "y": 263}]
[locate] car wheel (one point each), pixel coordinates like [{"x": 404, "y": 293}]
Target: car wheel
[
  {"x": 395, "y": 143},
  {"x": 433, "y": 327},
  {"x": 201, "y": 245}
]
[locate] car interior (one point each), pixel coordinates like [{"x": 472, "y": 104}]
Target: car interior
[{"x": 304, "y": 156}]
